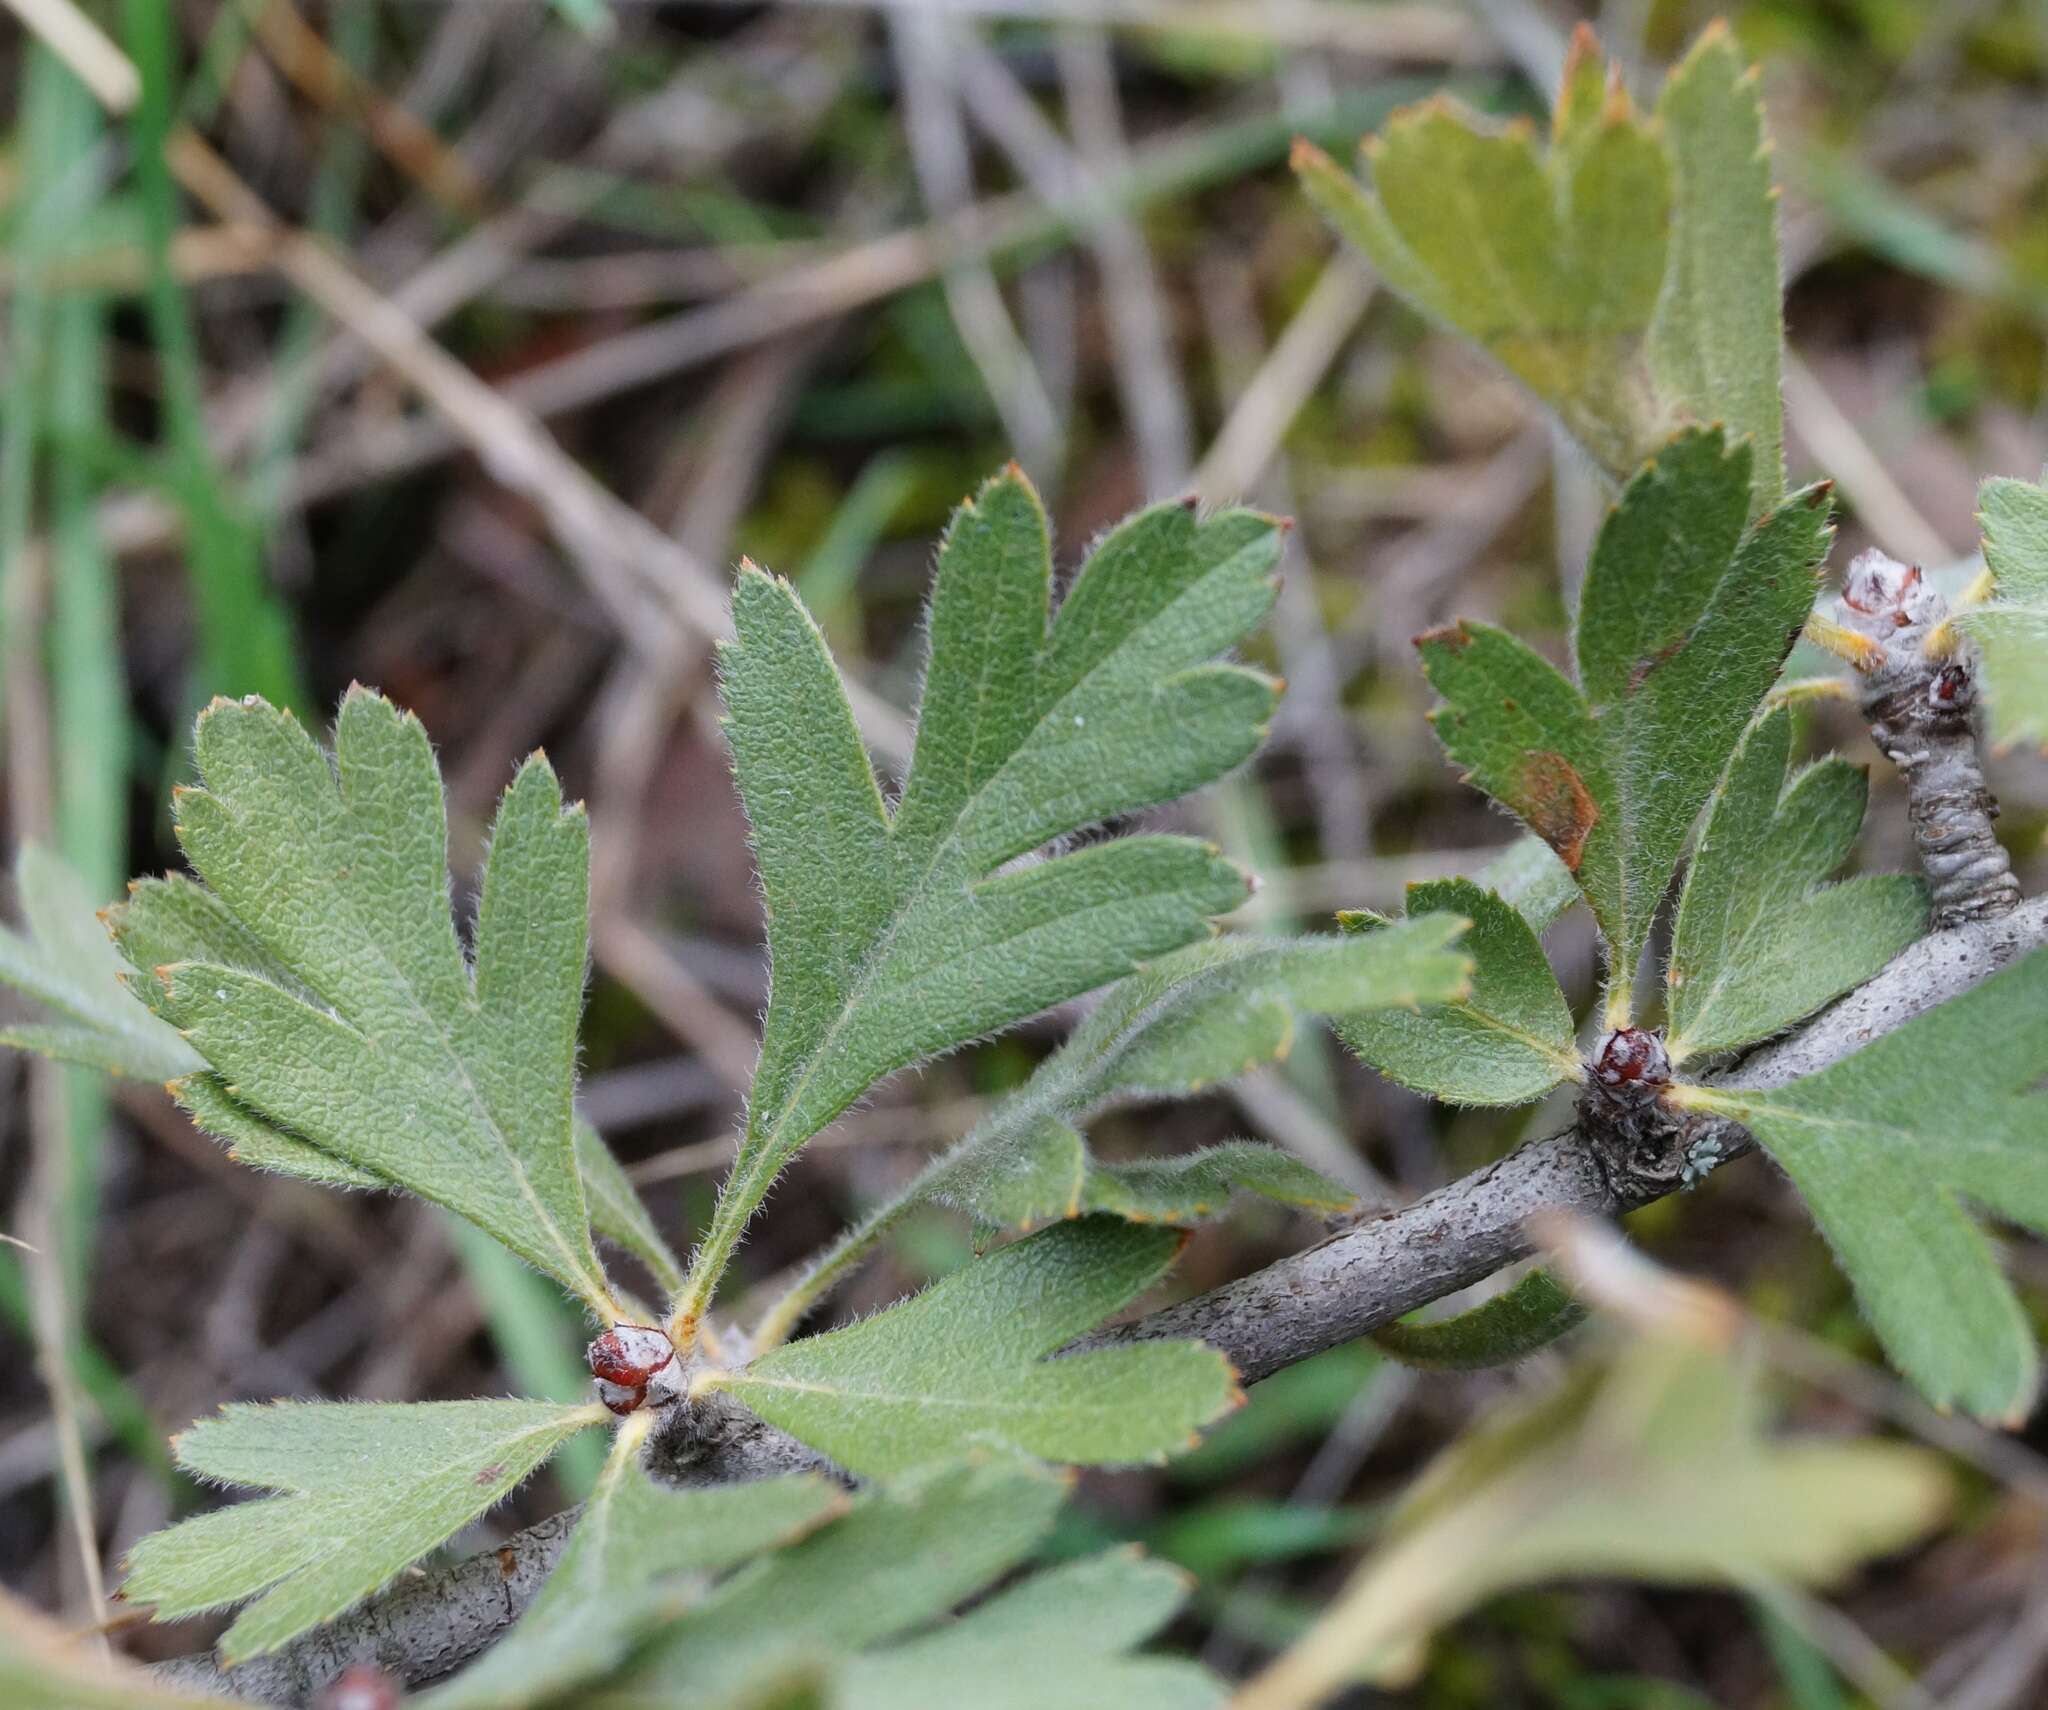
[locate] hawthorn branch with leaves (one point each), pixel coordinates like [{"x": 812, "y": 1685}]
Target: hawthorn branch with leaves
[
  {"x": 311, "y": 1001},
  {"x": 1355, "y": 1283}
]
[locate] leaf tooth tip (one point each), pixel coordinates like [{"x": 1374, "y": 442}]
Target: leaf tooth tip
[{"x": 1455, "y": 635}]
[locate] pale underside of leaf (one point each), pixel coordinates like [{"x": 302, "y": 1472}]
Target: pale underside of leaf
[
  {"x": 913, "y": 1549},
  {"x": 1050, "y": 1175},
  {"x": 641, "y": 1554},
  {"x": 1190, "y": 1021},
  {"x": 2013, "y": 642},
  {"x": 1887, "y": 1145},
  {"x": 2014, "y": 515},
  {"x": 1529, "y": 877},
  {"x": 965, "y": 1363},
  {"x": 1514, "y": 1324}
]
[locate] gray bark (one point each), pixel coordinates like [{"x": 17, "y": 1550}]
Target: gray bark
[
  {"x": 1370, "y": 1275},
  {"x": 424, "y": 1626},
  {"x": 1330, "y": 1294},
  {"x": 1921, "y": 721},
  {"x": 429, "y": 1624}
]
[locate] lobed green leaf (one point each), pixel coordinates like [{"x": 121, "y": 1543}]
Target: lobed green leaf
[
  {"x": 2011, "y": 632},
  {"x": 1629, "y": 277},
  {"x": 1687, "y": 615},
  {"x": 913, "y": 1549},
  {"x": 1552, "y": 266},
  {"x": 1507, "y": 1041},
  {"x": 1060, "y": 1637},
  {"x": 331, "y": 999},
  {"x": 365, "y": 1489},
  {"x": 896, "y": 935},
  {"x": 1716, "y": 338},
  {"x": 1761, "y": 940},
  {"x": 66, "y": 963}
]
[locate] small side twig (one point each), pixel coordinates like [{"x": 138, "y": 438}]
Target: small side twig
[
  {"x": 1371, "y": 1274},
  {"x": 1920, "y": 697}
]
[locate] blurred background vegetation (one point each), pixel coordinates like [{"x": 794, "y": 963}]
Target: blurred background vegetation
[{"x": 462, "y": 348}]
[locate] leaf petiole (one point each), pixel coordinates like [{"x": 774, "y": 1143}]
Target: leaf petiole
[{"x": 1844, "y": 643}]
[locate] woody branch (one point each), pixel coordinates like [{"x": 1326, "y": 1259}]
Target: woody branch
[{"x": 1311, "y": 1301}]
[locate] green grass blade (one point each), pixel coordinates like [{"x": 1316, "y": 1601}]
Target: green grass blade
[{"x": 245, "y": 644}]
